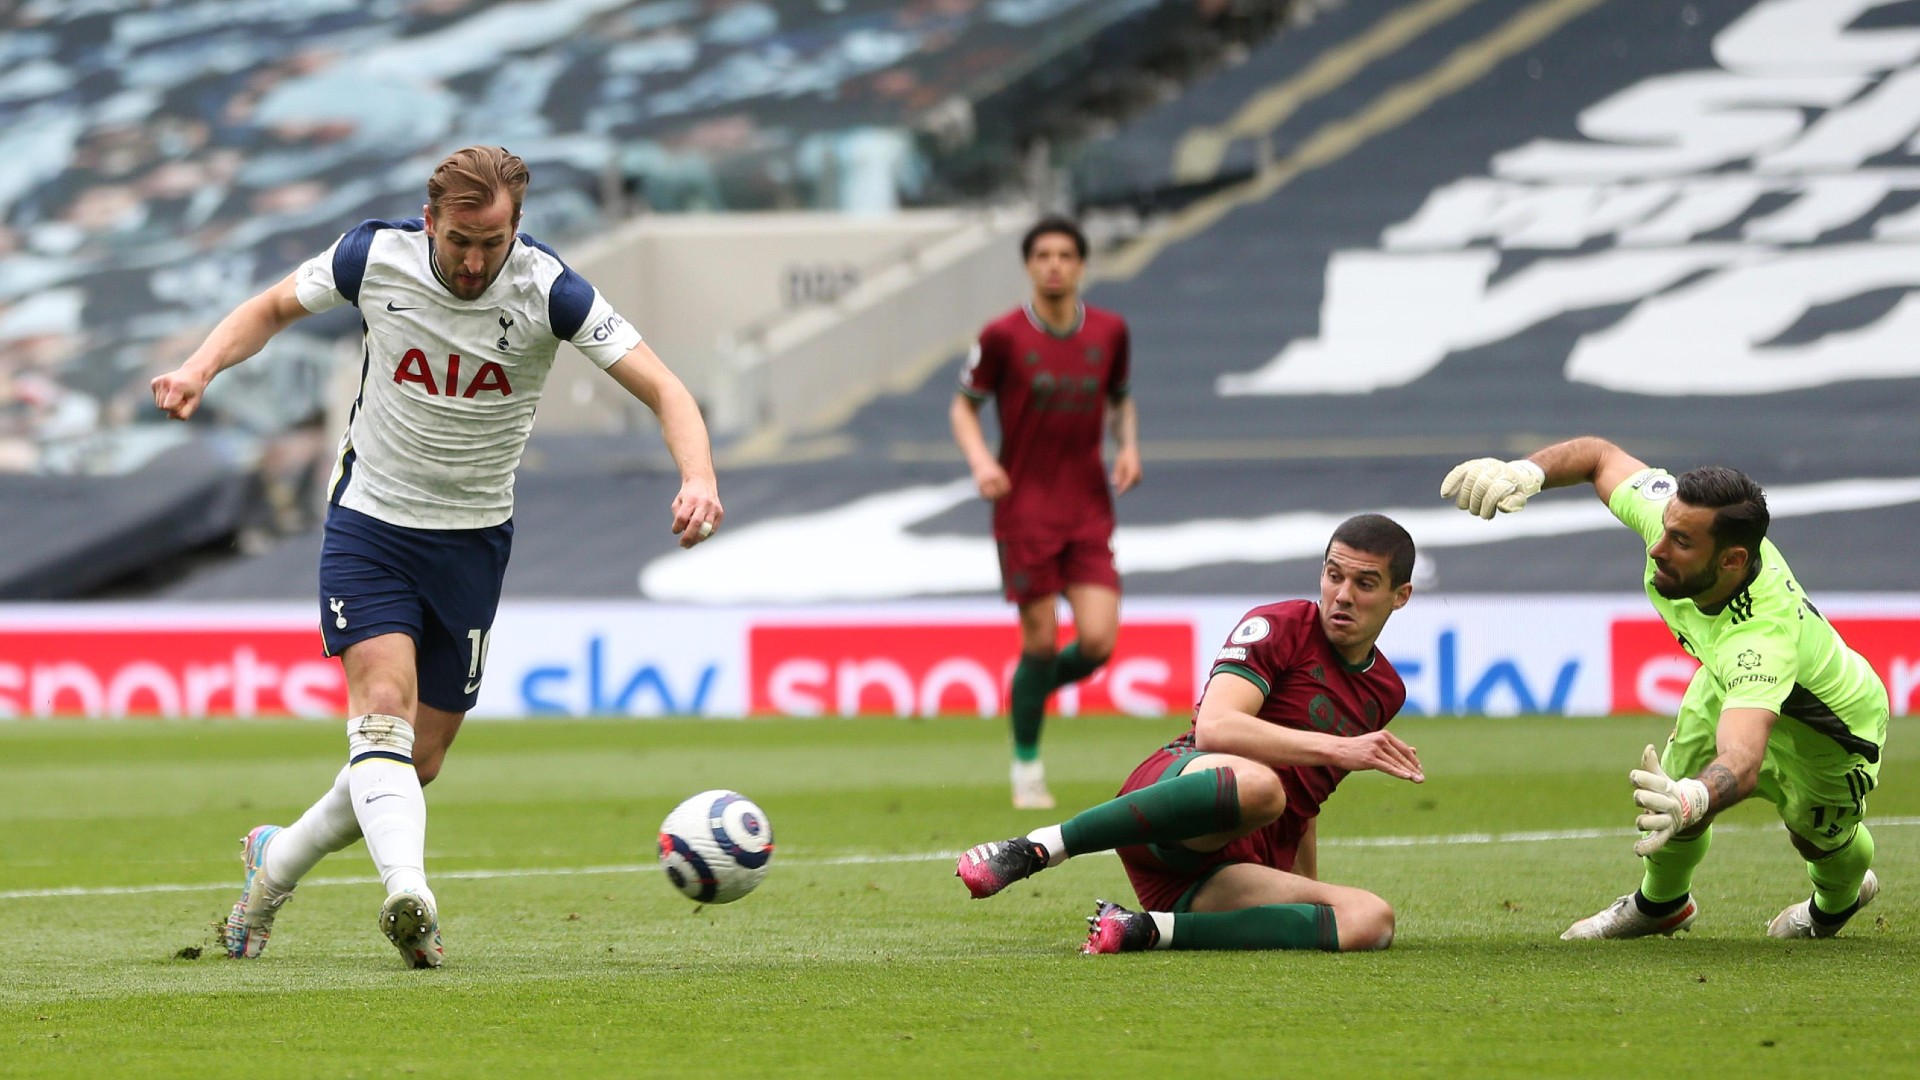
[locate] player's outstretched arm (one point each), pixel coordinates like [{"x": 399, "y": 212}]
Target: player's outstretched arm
[
  {"x": 244, "y": 332},
  {"x": 1125, "y": 421},
  {"x": 1228, "y": 723},
  {"x": 696, "y": 509},
  {"x": 1669, "y": 806},
  {"x": 1486, "y": 486},
  {"x": 964, "y": 417},
  {"x": 1587, "y": 459}
]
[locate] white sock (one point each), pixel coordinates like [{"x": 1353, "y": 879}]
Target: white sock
[
  {"x": 387, "y": 800},
  {"x": 1164, "y": 921},
  {"x": 1049, "y": 837},
  {"x": 1028, "y": 772},
  {"x": 326, "y": 827}
]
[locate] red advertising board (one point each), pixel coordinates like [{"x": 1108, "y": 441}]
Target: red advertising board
[
  {"x": 1650, "y": 670},
  {"x": 203, "y": 671},
  {"x": 922, "y": 669}
]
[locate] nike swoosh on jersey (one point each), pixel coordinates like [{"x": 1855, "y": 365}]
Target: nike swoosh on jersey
[{"x": 390, "y": 307}]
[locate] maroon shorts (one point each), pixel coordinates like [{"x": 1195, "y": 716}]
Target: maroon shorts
[
  {"x": 1037, "y": 569},
  {"x": 1165, "y": 877}
]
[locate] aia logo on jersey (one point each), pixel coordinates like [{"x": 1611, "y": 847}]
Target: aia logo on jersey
[{"x": 488, "y": 376}]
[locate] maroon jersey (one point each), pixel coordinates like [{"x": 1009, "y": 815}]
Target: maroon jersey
[
  {"x": 1051, "y": 391},
  {"x": 1281, "y": 649}
]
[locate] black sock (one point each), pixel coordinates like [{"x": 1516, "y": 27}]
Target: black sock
[
  {"x": 1824, "y": 919},
  {"x": 1660, "y": 910}
]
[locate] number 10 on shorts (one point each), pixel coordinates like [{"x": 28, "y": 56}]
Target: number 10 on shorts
[{"x": 478, "y": 642}]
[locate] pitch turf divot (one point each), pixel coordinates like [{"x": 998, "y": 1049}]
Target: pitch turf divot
[{"x": 1441, "y": 840}]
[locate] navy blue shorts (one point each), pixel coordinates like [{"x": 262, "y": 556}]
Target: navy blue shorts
[{"x": 439, "y": 587}]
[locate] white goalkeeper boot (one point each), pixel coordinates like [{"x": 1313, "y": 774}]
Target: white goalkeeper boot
[
  {"x": 1624, "y": 919},
  {"x": 1798, "y": 922}
]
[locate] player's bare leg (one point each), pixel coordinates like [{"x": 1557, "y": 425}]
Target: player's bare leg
[
  {"x": 433, "y": 733},
  {"x": 1096, "y": 624},
  {"x": 1033, "y": 682},
  {"x": 382, "y": 694},
  {"x": 1040, "y": 626}
]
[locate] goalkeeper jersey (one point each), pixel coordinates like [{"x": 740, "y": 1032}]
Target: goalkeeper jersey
[{"x": 1768, "y": 647}]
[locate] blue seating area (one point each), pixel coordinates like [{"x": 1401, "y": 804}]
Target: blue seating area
[
  {"x": 159, "y": 163},
  {"x": 1370, "y": 265}
]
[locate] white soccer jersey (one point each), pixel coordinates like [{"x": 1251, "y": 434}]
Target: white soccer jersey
[{"x": 448, "y": 386}]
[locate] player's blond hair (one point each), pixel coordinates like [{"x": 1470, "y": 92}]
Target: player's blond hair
[{"x": 473, "y": 177}]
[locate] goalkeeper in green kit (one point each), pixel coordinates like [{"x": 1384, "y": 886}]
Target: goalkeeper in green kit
[{"x": 1780, "y": 707}]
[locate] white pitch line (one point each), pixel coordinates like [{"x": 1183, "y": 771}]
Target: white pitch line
[{"x": 1440, "y": 840}]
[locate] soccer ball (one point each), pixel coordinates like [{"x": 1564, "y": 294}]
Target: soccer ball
[{"x": 715, "y": 847}]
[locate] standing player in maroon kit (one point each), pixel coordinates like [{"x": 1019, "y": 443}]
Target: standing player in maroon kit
[
  {"x": 1217, "y": 828},
  {"x": 1053, "y": 367}
]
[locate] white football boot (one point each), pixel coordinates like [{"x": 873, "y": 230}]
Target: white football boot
[
  {"x": 1624, "y": 919},
  {"x": 1030, "y": 786},
  {"x": 1797, "y": 921},
  {"x": 414, "y": 928}
]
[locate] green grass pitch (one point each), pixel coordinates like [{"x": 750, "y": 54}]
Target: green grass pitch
[{"x": 568, "y": 955}]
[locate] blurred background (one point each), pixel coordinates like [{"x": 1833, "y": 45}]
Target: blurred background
[{"x": 1357, "y": 242}]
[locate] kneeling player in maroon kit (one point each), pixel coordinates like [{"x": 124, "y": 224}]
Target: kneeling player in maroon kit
[
  {"x": 1057, "y": 370},
  {"x": 1216, "y": 829}
]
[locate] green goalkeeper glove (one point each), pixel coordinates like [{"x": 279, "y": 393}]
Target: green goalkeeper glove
[
  {"x": 1671, "y": 805},
  {"x": 1484, "y": 485}
]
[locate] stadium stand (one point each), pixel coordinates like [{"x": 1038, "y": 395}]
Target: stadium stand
[
  {"x": 1408, "y": 233},
  {"x": 89, "y": 531},
  {"x": 1458, "y": 245},
  {"x": 1454, "y": 247},
  {"x": 158, "y": 163}
]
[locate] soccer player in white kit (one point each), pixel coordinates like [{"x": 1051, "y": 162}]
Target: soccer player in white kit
[{"x": 462, "y": 317}]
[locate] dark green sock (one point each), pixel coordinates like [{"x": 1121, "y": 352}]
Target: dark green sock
[
  {"x": 1669, "y": 871},
  {"x": 1836, "y": 878},
  {"x": 1168, "y": 812},
  {"x": 1071, "y": 666},
  {"x": 1032, "y": 682},
  {"x": 1274, "y": 926}
]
